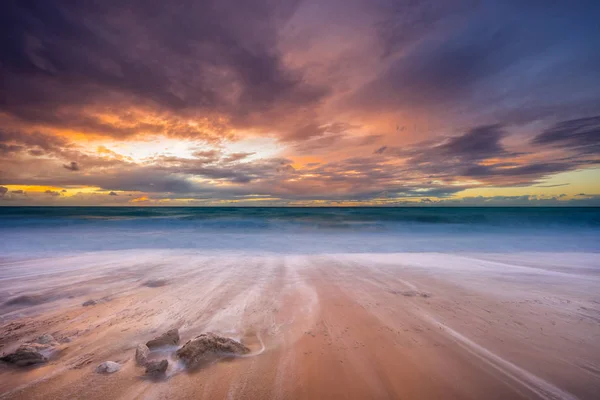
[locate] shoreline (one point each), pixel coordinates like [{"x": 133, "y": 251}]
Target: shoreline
[{"x": 403, "y": 325}]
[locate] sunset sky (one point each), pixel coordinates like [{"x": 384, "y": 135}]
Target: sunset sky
[{"x": 315, "y": 102}]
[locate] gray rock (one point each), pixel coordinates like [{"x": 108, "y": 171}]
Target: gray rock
[
  {"x": 24, "y": 356},
  {"x": 89, "y": 303},
  {"x": 108, "y": 367},
  {"x": 45, "y": 339},
  {"x": 209, "y": 346},
  {"x": 157, "y": 368},
  {"x": 141, "y": 354},
  {"x": 171, "y": 338}
]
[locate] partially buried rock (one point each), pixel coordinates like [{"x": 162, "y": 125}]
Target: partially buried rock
[
  {"x": 27, "y": 300},
  {"x": 24, "y": 356},
  {"x": 89, "y": 303},
  {"x": 154, "y": 283},
  {"x": 171, "y": 338},
  {"x": 108, "y": 367},
  {"x": 209, "y": 346},
  {"x": 45, "y": 339},
  {"x": 141, "y": 354},
  {"x": 157, "y": 368}
]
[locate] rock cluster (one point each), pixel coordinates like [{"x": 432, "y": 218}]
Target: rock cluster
[
  {"x": 208, "y": 346},
  {"x": 156, "y": 369}
]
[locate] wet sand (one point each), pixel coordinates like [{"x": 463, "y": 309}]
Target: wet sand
[{"x": 351, "y": 326}]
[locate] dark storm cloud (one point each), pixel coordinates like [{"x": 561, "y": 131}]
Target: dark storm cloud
[
  {"x": 582, "y": 135},
  {"x": 502, "y": 60},
  {"x": 60, "y": 56},
  {"x": 113, "y": 194}
]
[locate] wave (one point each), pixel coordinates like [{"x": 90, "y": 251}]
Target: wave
[
  {"x": 318, "y": 218},
  {"x": 38, "y": 231}
]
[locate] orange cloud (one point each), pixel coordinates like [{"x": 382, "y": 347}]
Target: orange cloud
[{"x": 140, "y": 199}]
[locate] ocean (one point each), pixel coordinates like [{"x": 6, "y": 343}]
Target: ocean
[{"x": 38, "y": 231}]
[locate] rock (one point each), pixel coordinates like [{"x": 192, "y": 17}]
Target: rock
[
  {"x": 108, "y": 367},
  {"x": 141, "y": 354},
  {"x": 157, "y": 368},
  {"x": 24, "y": 356},
  {"x": 209, "y": 346},
  {"x": 171, "y": 338},
  {"x": 89, "y": 303},
  {"x": 153, "y": 283},
  {"x": 413, "y": 293},
  {"x": 45, "y": 339},
  {"x": 27, "y": 300}
]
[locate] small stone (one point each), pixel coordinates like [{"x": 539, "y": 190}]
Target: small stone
[
  {"x": 24, "y": 356},
  {"x": 209, "y": 346},
  {"x": 89, "y": 303},
  {"x": 157, "y": 368},
  {"x": 141, "y": 354},
  {"x": 171, "y": 338},
  {"x": 154, "y": 283},
  {"x": 45, "y": 339},
  {"x": 108, "y": 367}
]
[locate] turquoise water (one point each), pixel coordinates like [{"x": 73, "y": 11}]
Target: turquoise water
[{"x": 35, "y": 230}]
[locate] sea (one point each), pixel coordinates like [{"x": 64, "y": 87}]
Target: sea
[{"x": 39, "y": 231}]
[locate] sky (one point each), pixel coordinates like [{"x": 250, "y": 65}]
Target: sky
[{"x": 299, "y": 102}]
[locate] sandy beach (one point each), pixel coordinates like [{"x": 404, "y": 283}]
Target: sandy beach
[{"x": 352, "y": 326}]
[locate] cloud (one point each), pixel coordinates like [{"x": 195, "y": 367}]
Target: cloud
[
  {"x": 478, "y": 143},
  {"x": 3, "y": 191},
  {"x": 41, "y": 140},
  {"x": 73, "y": 166},
  {"x": 380, "y": 150},
  {"x": 52, "y": 193},
  {"x": 582, "y": 135},
  {"x": 113, "y": 194},
  {"x": 504, "y": 61},
  {"x": 66, "y": 66},
  {"x": 507, "y": 90},
  {"x": 6, "y": 149}
]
